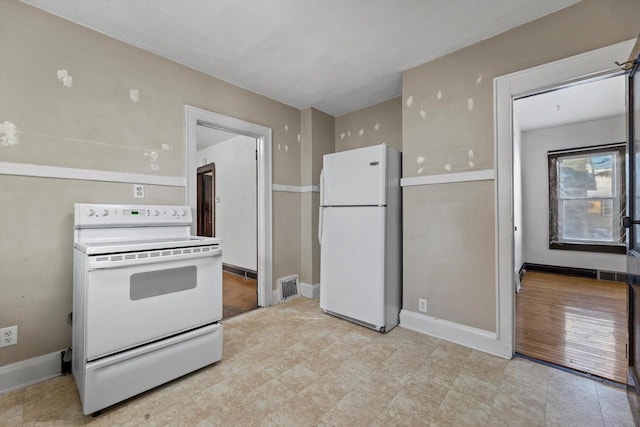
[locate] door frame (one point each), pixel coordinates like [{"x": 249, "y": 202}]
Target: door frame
[
  {"x": 505, "y": 89},
  {"x": 196, "y": 116}
]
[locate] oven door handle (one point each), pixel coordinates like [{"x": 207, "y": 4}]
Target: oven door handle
[{"x": 100, "y": 262}]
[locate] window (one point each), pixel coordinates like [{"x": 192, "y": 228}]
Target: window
[{"x": 587, "y": 199}]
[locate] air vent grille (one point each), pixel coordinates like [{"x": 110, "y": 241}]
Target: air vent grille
[{"x": 288, "y": 286}]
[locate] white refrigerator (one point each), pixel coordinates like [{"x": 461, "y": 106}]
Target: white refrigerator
[{"x": 360, "y": 233}]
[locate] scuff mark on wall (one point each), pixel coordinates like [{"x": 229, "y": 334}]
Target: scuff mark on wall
[
  {"x": 470, "y": 104},
  {"x": 286, "y": 128},
  {"x": 342, "y": 135},
  {"x": 423, "y": 114},
  {"x": 134, "y": 95},
  {"x": 286, "y": 147},
  {"x": 471, "y": 164},
  {"x": 471, "y": 154},
  {"x": 298, "y": 137},
  {"x": 154, "y": 156},
  {"x": 420, "y": 159},
  {"x": 410, "y": 101},
  {"x": 65, "y": 78},
  {"x": 447, "y": 167},
  {"x": 376, "y": 127},
  {"x": 348, "y": 134},
  {"x": 420, "y": 171},
  {"x": 479, "y": 79},
  {"x": 439, "y": 95},
  {"x": 361, "y": 132},
  {"x": 9, "y": 134},
  {"x": 278, "y": 147}
]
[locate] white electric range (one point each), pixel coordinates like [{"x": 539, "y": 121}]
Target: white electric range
[{"x": 147, "y": 300}]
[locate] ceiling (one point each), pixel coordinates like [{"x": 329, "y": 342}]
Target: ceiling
[
  {"x": 591, "y": 100},
  {"x": 207, "y": 137},
  {"x": 334, "y": 55}
]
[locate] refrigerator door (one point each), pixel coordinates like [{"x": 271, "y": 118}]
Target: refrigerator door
[
  {"x": 355, "y": 177},
  {"x": 352, "y": 271}
]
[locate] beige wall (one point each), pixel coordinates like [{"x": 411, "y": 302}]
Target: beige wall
[
  {"x": 454, "y": 263},
  {"x": 377, "y": 124},
  {"x": 93, "y": 124},
  {"x": 448, "y": 111},
  {"x": 317, "y": 140}
]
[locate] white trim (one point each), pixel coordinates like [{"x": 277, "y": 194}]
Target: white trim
[
  {"x": 468, "y": 336},
  {"x": 296, "y": 188},
  {"x": 27, "y": 372},
  {"x": 193, "y": 116},
  {"x": 447, "y": 178},
  {"x": 309, "y": 291},
  {"x": 43, "y": 171},
  {"x": 505, "y": 88}
]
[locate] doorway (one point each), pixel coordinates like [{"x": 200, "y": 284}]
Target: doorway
[
  {"x": 506, "y": 88},
  {"x": 196, "y": 118},
  {"x": 569, "y": 244},
  {"x": 227, "y": 208}
]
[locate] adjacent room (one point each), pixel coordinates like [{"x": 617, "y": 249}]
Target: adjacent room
[
  {"x": 316, "y": 213},
  {"x": 227, "y": 208},
  {"x": 570, "y": 178}
]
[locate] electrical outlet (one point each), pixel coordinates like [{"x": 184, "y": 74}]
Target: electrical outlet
[
  {"x": 422, "y": 305},
  {"x": 9, "y": 336},
  {"x": 138, "y": 191}
]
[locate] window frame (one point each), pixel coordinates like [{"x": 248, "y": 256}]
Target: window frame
[{"x": 553, "y": 158}]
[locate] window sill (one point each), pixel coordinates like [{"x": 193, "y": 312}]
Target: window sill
[{"x": 586, "y": 247}]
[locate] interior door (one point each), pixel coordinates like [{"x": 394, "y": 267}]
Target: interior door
[
  {"x": 632, "y": 222},
  {"x": 206, "y": 200}
]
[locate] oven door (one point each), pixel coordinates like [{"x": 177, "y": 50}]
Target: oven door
[{"x": 144, "y": 301}]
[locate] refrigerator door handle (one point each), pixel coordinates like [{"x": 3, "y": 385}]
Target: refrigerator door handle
[
  {"x": 320, "y": 223},
  {"x": 320, "y": 210},
  {"x": 321, "y": 187}
]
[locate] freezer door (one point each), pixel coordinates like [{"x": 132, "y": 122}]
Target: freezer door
[
  {"x": 352, "y": 267},
  {"x": 355, "y": 177}
]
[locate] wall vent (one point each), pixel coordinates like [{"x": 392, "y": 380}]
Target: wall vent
[{"x": 288, "y": 287}]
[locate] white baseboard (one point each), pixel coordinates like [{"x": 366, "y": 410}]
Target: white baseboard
[
  {"x": 275, "y": 297},
  {"x": 310, "y": 291},
  {"x": 467, "y": 336},
  {"x": 26, "y": 372}
]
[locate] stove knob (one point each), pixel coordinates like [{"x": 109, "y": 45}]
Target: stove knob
[
  {"x": 183, "y": 212},
  {"x": 105, "y": 212},
  {"x": 156, "y": 212},
  {"x": 174, "y": 213},
  {"x": 91, "y": 212}
]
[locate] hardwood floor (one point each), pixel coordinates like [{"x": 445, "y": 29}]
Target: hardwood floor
[
  {"x": 575, "y": 322},
  {"x": 239, "y": 294}
]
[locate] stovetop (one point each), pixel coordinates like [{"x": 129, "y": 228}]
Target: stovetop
[{"x": 120, "y": 246}]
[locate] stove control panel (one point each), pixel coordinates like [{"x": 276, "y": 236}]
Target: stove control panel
[{"x": 88, "y": 215}]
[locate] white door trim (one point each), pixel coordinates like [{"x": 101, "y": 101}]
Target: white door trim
[
  {"x": 505, "y": 88},
  {"x": 195, "y": 116}
]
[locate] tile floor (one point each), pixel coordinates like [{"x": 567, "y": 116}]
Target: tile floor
[{"x": 293, "y": 365}]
